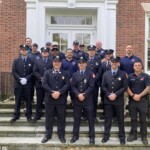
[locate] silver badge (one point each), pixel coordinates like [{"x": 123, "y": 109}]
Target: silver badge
[
  {"x": 29, "y": 64},
  {"x": 96, "y": 63},
  {"x": 119, "y": 78},
  {"x": 85, "y": 80},
  {"x": 63, "y": 77}
]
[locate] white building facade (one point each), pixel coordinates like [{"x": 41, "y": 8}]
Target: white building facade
[{"x": 67, "y": 20}]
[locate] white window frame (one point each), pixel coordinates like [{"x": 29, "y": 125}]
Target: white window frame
[{"x": 147, "y": 39}]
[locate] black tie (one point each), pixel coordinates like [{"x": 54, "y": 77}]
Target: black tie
[
  {"x": 24, "y": 60},
  {"x": 57, "y": 74},
  {"x": 114, "y": 73},
  {"x": 82, "y": 73},
  {"x": 45, "y": 60}
]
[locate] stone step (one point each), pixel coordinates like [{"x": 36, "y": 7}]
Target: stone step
[
  {"x": 39, "y": 131},
  {"x": 5, "y": 121},
  {"x": 34, "y": 143},
  {"x": 7, "y": 112}
]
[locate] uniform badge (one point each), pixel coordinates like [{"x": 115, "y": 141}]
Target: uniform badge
[
  {"x": 142, "y": 79},
  {"x": 29, "y": 64},
  {"x": 119, "y": 79},
  {"x": 63, "y": 77},
  {"x": 96, "y": 63},
  {"x": 133, "y": 60},
  {"x": 85, "y": 80},
  {"x": 73, "y": 63},
  {"x": 37, "y": 57}
]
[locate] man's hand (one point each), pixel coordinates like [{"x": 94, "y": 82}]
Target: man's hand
[
  {"x": 112, "y": 97},
  {"x": 55, "y": 94},
  {"x": 137, "y": 97},
  {"x": 81, "y": 97},
  {"x": 23, "y": 81}
]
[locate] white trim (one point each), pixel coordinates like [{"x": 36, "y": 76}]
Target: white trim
[{"x": 146, "y": 7}]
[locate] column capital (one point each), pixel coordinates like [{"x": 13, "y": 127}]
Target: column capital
[{"x": 30, "y": 3}]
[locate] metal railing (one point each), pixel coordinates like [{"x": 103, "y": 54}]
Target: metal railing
[{"x": 6, "y": 85}]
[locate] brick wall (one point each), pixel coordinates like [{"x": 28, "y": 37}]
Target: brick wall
[
  {"x": 12, "y": 31},
  {"x": 131, "y": 26}
]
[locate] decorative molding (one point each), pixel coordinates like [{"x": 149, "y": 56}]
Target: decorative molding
[
  {"x": 71, "y": 3},
  {"x": 30, "y": 1},
  {"x": 146, "y": 7}
]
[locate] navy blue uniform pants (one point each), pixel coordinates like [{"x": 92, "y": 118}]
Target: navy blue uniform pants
[
  {"x": 119, "y": 110},
  {"x": 40, "y": 93},
  {"x": 60, "y": 112},
  {"x": 77, "y": 118},
  {"x": 140, "y": 108},
  {"x": 21, "y": 93}
]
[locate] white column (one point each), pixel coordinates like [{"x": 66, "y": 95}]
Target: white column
[
  {"x": 31, "y": 19},
  {"x": 41, "y": 27},
  {"x": 101, "y": 24},
  {"x": 111, "y": 24}
]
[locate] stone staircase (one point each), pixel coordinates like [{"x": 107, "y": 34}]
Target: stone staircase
[{"x": 23, "y": 135}]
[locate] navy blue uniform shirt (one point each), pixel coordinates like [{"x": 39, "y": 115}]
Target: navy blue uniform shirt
[
  {"x": 77, "y": 54},
  {"x": 126, "y": 63},
  {"x": 138, "y": 83},
  {"x": 70, "y": 66},
  {"x": 100, "y": 53},
  {"x": 34, "y": 56}
]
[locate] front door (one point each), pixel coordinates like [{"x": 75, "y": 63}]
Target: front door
[{"x": 66, "y": 38}]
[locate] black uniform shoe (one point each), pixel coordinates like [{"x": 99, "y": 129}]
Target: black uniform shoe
[
  {"x": 34, "y": 120},
  {"x": 102, "y": 117},
  {"x": 122, "y": 142},
  {"x": 74, "y": 139},
  {"x": 45, "y": 139},
  {"x": 144, "y": 140},
  {"x": 105, "y": 139},
  {"x": 132, "y": 137},
  {"x": 62, "y": 140},
  {"x": 13, "y": 119},
  {"x": 92, "y": 141},
  {"x": 29, "y": 119}
]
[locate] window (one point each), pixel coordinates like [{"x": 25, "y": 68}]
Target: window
[
  {"x": 71, "y": 20},
  {"x": 148, "y": 53},
  {"x": 62, "y": 39},
  {"x": 83, "y": 38}
]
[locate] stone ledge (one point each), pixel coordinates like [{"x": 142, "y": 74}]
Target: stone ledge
[{"x": 55, "y": 142}]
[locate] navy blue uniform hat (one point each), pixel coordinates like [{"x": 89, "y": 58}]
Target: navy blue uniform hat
[
  {"x": 75, "y": 42},
  {"x": 55, "y": 49},
  {"x": 81, "y": 45},
  {"x": 109, "y": 51},
  {"x": 115, "y": 59},
  {"x": 82, "y": 59},
  {"x": 44, "y": 49},
  {"x": 91, "y": 47},
  {"x": 24, "y": 47},
  {"x": 57, "y": 58}
]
